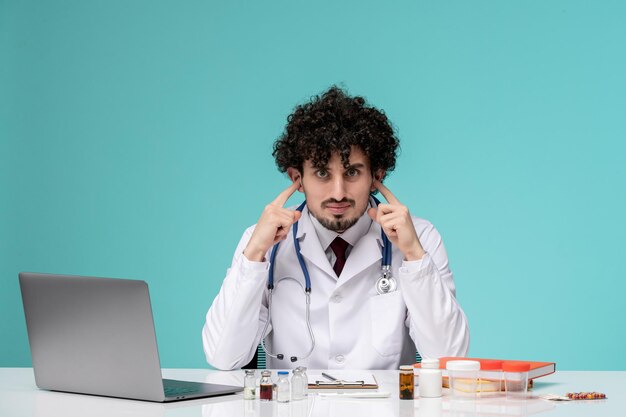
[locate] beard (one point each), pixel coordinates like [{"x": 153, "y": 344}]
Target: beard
[{"x": 338, "y": 223}]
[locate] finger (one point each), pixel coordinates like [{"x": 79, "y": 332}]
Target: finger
[
  {"x": 286, "y": 218},
  {"x": 385, "y": 209},
  {"x": 284, "y": 221},
  {"x": 389, "y": 225},
  {"x": 281, "y": 235},
  {"x": 391, "y": 199},
  {"x": 393, "y": 221},
  {"x": 389, "y": 231},
  {"x": 291, "y": 216},
  {"x": 284, "y": 196},
  {"x": 378, "y": 217},
  {"x": 373, "y": 213}
]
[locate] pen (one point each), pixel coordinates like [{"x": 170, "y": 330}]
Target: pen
[{"x": 332, "y": 378}]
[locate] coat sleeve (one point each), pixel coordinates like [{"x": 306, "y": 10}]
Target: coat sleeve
[
  {"x": 236, "y": 318},
  {"x": 436, "y": 322}
]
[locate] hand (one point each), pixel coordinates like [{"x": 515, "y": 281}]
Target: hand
[
  {"x": 396, "y": 222},
  {"x": 273, "y": 225}
]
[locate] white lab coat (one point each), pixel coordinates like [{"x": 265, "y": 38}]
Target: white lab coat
[{"x": 354, "y": 326}]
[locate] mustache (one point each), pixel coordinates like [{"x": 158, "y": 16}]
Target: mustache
[{"x": 325, "y": 203}]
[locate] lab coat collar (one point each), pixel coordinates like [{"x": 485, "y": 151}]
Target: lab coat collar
[
  {"x": 310, "y": 246},
  {"x": 366, "y": 251},
  {"x": 352, "y": 235}
]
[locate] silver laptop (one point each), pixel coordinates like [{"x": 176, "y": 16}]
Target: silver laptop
[{"x": 96, "y": 336}]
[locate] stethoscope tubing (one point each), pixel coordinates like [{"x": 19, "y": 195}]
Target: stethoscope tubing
[{"x": 385, "y": 267}]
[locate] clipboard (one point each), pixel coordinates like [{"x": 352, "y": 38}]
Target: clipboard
[{"x": 342, "y": 381}]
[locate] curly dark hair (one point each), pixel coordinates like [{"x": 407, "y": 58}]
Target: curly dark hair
[{"x": 334, "y": 122}]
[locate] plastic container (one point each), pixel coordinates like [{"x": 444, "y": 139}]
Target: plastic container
[
  {"x": 249, "y": 385},
  {"x": 490, "y": 378},
  {"x": 298, "y": 385},
  {"x": 430, "y": 379},
  {"x": 516, "y": 378},
  {"x": 282, "y": 387},
  {"x": 266, "y": 386},
  {"x": 406, "y": 387},
  {"x": 463, "y": 377}
]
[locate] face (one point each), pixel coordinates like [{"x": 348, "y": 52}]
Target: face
[{"x": 336, "y": 195}]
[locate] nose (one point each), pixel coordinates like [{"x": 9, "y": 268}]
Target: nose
[{"x": 338, "y": 191}]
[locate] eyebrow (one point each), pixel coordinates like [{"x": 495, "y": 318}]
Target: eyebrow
[{"x": 358, "y": 165}]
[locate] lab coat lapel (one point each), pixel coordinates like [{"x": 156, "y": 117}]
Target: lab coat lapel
[
  {"x": 366, "y": 252},
  {"x": 310, "y": 246}
]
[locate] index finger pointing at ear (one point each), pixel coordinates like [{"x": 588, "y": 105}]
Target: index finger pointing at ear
[
  {"x": 391, "y": 199},
  {"x": 284, "y": 196}
]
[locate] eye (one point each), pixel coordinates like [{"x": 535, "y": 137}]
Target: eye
[
  {"x": 352, "y": 172},
  {"x": 321, "y": 173}
]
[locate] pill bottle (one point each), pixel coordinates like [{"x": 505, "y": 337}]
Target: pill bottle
[
  {"x": 430, "y": 379},
  {"x": 406, "y": 382},
  {"x": 282, "y": 387},
  {"x": 463, "y": 377},
  {"x": 516, "y": 378},
  {"x": 249, "y": 385},
  {"x": 298, "y": 385},
  {"x": 266, "y": 386},
  {"x": 490, "y": 382}
]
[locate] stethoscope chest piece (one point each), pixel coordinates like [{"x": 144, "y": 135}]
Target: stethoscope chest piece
[{"x": 386, "y": 283}]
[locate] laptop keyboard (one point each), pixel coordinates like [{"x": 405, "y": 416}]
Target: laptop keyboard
[
  {"x": 178, "y": 388},
  {"x": 176, "y": 391}
]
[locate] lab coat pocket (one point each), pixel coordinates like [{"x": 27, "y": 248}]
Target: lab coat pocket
[{"x": 387, "y": 313}]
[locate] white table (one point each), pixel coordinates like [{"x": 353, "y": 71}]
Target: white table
[{"x": 20, "y": 397}]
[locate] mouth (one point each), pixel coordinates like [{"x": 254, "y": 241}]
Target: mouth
[{"x": 338, "y": 208}]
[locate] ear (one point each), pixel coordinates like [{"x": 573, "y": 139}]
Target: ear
[
  {"x": 295, "y": 175},
  {"x": 378, "y": 176}
]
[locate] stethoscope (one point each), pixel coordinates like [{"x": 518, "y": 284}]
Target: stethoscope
[{"x": 385, "y": 284}]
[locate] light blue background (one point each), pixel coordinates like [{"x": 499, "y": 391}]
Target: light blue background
[{"x": 136, "y": 142}]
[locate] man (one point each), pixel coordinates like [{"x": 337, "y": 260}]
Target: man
[{"x": 336, "y": 150}]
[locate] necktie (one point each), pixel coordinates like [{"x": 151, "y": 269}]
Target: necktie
[{"x": 339, "y": 246}]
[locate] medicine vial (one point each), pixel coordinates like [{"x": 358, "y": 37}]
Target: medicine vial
[
  {"x": 306, "y": 380},
  {"x": 249, "y": 385},
  {"x": 298, "y": 385},
  {"x": 406, "y": 382},
  {"x": 282, "y": 387},
  {"x": 266, "y": 386},
  {"x": 430, "y": 379}
]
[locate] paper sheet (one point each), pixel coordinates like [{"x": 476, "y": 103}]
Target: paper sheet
[{"x": 367, "y": 378}]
